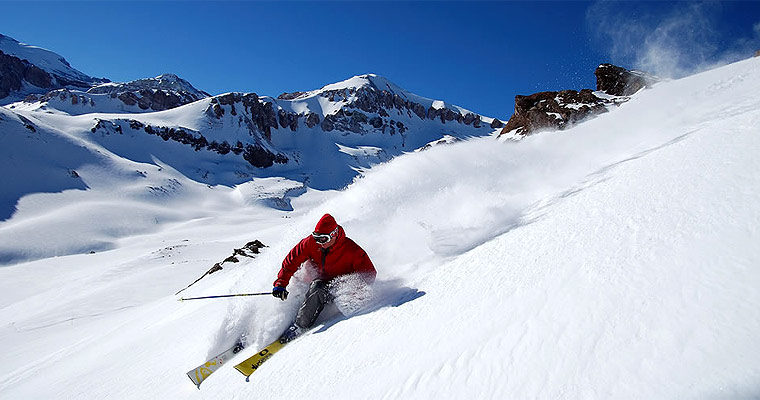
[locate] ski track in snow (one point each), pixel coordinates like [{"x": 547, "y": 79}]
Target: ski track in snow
[{"x": 617, "y": 259}]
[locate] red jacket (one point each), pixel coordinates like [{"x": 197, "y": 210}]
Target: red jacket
[{"x": 344, "y": 257}]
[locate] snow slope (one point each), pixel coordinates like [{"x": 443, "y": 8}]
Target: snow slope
[{"x": 617, "y": 259}]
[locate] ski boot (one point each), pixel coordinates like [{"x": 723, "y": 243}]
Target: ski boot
[{"x": 290, "y": 334}]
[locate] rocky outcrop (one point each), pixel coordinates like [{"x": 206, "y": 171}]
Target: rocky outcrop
[
  {"x": 161, "y": 93},
  {"x": 249, "y": 250},
  {"x": 254, "y": 153},
  {"x": 15, "y": 71},
  {"x": 256, "y": 114},
  {"x": 260, "y": 157},
  {"x": 618, "y": 81},
  {"x": 291, "y": 96},
  {"x": 26, "y": 70},
  {"x": 371, "y": 107},
  {"x": 446, "y": 139},
  {"x": 561, "y": 110},
  {"x": 553, "y": 110},
  {"x": 145, "y": 99},
  {"x": 155, "y": 94},
  {"x": 312, "y": 120},
  {"x": 63, "y": 95},
  {"x": 757, "y": 53}
]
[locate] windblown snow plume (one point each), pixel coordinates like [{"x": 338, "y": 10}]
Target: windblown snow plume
[{"x": 681, "y": 42}]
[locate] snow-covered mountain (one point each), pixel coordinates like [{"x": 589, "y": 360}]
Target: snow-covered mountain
[
  {"x": 84, "y": 140},
  {"x": 321, "y": 139},
  {"x": 163, "y": 92},
  {"x": 44, "y": 80},
  {"x": 615, "y": 259},
  {"x": 26, "y": 69}
]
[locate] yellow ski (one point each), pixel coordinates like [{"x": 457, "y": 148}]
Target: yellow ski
[
  {"x": 200, "y": 373},
  {"x": 250, "y": 365}
]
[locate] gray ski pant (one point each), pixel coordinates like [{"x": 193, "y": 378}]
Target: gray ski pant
[{"x": 316, "y": 299}]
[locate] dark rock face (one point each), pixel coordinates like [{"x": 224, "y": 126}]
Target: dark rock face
[
  {"x": 157, "y": 94},
  {"x": 290, "y": 96},
  {"x": 288, "y": 120},
  {"x": 14, "y": 71},
  {"x": 561, "y": 110},
  {"x": 256, "y": 114},
  {"x": 148, "y": 94},
  {"x": 373, "y": 107},
  {"x": 63, "y": 95},
  {"x": 255, "y": 154},
  {"x": 260, "y": 118},
  {"x": 757, "y": 53},
  {"x": 312, "y": 120},
  {"x": 444, "y": 114},
  {"x": 362, "y": 110},
  {"x": 553, "y": 110},
  {"x": 128, "y": 98},
  {"x": 27, "y": 123},
  {"x": 619, "y": 81},
  {"x": 328, "y": 123},
  {"x": 246, "y": 110},
  {"x": 261, "y": 157}
]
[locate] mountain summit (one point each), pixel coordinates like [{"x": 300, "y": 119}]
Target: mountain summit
[
  {"x": 166, "y": 82},
  {"x": 26, "y": 69}
]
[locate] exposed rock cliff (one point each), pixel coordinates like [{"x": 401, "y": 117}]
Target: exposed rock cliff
[
  {"x": 163, "y": 92},
  {"x": 619, "y": 81},
  {"x": 28, "y": 70},
  {"x": 561, "y": 110}
]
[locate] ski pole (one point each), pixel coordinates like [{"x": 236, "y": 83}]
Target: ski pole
[{"x": 226, "y": 295}]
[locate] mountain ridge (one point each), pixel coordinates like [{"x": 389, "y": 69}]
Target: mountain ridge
[{"x": 26, "y": 69}]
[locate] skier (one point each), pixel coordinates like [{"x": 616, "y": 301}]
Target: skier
[{"x": 334, "y": 255}]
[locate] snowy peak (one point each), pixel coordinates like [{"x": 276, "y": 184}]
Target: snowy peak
[
  {"x": 375, "y": 101},
  {"x": 48, "y": 61},
  {"x": 359, "y": 86},
  {"x": 164, "y": 82},
  {"x": 161, "y": 93},
  {"x": 370, "y": 81}
]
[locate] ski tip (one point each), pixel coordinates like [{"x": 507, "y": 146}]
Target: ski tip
[{"x": 196, "y": 383}]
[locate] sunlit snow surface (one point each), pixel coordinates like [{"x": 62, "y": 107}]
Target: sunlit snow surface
[{"x": 617, "y": 259}]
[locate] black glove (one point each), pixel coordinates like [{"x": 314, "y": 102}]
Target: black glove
[{"x": 280, "y": 293}]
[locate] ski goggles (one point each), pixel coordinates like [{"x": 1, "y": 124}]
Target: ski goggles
[{"x": 323, "y": 238}]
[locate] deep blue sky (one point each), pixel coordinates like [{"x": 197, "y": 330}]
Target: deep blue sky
[{"x": 478, "y": 55}]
